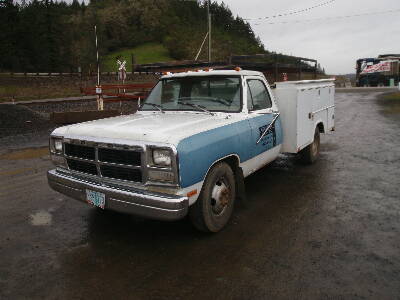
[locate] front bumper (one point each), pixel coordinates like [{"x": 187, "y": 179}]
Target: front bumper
[{"x": 125, "y": 200}]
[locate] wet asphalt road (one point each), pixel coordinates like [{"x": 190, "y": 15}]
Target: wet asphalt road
[{"x": 327, "y": 231}]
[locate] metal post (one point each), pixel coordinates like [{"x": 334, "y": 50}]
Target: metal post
[
  {"x": 97, "y": 56},
  {"x": 209, "y": 30},
  {"x": 100, "y": 104}
]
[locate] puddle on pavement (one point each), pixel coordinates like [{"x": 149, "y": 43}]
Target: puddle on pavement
[
  {"x": 16, "y": 171},
  {"x": 26, "y": 154},
  {"x": 41, "y": 218}
]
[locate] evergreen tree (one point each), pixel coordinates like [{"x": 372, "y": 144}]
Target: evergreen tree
[{"x": 53, "y": 36}]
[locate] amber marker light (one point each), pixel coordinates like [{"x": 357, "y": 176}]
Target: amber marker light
[{"x": 192, "y": 193}]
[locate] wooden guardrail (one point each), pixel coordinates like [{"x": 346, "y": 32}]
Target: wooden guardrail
[{"x": 118, "y": 92}]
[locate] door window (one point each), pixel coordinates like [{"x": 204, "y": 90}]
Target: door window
[{"x": 257, "y": 95}]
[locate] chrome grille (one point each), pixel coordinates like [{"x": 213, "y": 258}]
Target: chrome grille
[{"x": 115, "y": 163}]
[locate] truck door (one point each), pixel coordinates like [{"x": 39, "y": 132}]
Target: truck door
[{"x": 261, "y": 115}]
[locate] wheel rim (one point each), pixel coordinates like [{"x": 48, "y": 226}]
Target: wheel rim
[{"x": 220, "y": 197}]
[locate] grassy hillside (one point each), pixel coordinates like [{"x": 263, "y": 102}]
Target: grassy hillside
[{"x": 146, "y": 53}]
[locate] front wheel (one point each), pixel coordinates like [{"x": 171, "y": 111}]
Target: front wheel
[
  {"x": 214, "y": 207},
  {"x": 310, "y": 154}
]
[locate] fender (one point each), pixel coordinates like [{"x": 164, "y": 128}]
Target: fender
[{"x": 199, "y": 152}]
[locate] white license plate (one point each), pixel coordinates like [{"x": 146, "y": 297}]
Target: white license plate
[{"x": 96, "y": 198}]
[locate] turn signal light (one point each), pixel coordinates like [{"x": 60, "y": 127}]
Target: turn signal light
[{"x": 192, "y": 193}]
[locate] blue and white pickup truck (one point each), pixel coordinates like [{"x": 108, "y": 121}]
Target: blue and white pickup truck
[{"x": 191, "y": 144}]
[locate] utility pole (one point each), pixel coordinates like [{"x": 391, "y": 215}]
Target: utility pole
[{"x": 209, "y": 30}]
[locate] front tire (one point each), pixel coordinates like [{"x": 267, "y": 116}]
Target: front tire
[
  {"x": 310, "y": 154},
  {"x": 214, "y": 207}
]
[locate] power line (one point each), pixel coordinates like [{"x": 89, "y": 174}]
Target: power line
[
  {"x": 331, "y": 18},
  {"x": 293, "y": 12}
]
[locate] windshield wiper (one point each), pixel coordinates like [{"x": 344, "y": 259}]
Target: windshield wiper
[
  {"x": 199, "y": 107},
  {"x": 211, "y": 99},
  {"x": 159, "y": 107},
  {"x": 219, "y": 100}
]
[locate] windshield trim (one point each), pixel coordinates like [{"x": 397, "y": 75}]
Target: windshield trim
[{"x": 195, "y": 110}]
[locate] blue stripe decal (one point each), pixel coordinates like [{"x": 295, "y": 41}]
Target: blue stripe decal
[{"x": 198, "y": 152}]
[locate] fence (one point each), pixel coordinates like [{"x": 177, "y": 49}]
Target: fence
[
  {"x": 76, "y": 74},
  {"x": 269, "y": 64}
]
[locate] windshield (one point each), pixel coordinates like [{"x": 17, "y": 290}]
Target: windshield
[{"x": 206, "y": 94}]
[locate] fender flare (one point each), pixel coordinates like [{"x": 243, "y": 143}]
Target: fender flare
[{"x": 239, "y": 178}]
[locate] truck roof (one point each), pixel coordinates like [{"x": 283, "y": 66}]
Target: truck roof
[{"x": 212, "y": 73}]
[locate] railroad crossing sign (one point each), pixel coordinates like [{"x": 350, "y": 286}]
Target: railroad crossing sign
[{"x": 121, "y": 70}]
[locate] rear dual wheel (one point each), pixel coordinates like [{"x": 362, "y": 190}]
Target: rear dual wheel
[{"x": 214, "y": 207}]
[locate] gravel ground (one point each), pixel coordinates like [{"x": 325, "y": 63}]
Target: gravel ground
[
  {"x": 16, "y": 119},
  {"x": 126, "y": 107},
  {"x": 36, "y": 139},
  {"x": 34, "y": 118}
]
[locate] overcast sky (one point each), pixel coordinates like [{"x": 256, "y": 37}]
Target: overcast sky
[{"x": 335, "y": 43}]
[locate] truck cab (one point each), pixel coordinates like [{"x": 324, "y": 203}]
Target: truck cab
[{"x": 190, "y": 145}]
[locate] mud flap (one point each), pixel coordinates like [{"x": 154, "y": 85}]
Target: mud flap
[{"x": 240, "y": 187}]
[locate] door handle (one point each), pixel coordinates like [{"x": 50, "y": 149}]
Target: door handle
[{"x": 268, "y": 128}]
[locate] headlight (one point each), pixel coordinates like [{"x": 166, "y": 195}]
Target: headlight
[
  {"x": 56, "y": 149},
  {"x": 162, "y": 158},
  {"x": 56, "y": 145}
]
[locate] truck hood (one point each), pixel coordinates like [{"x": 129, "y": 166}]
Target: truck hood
[{"x": 170, "y": 127}]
